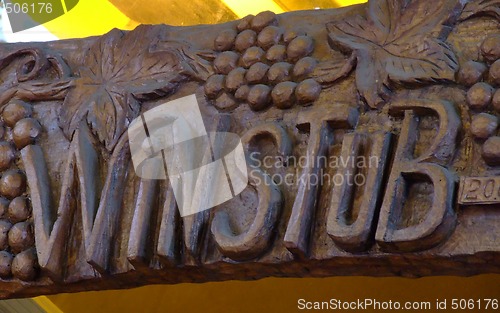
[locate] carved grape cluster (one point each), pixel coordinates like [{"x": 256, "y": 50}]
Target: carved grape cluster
[
  {"x": 17, "y": 252},
  {"x": 260, "y": 63},
  {"x": 483, "y": 78}
]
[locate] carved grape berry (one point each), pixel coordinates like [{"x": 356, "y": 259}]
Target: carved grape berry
[
  {"x": 5, "y": 226},
  {"x": 245, "y": 40},
  {"x": 245, "y": 23},
  {"x": 304, "y": 67},
  {"x": 259, "y": 97},
  {"x": 494, "y": 75},
  {"x": 251, "y": 56},
  {"x": 21, "y": 237},
  {"x": 25, "y": 266},
  {"x": 214, "y": 85},
  {"x": 19, "y": 209},
  {"x": 7, "y": 155},
  {"x": 5, "y": 264},
  {"x": 479, "y": 96},
  {"x": 471, "y": 72},
  {"x": 226, "y": 62},
  {"x": 242, "y": 93},
  {"x": 269, "y": 36},
  {"x": 15, "y": 111},
  {"x": 12, "y": 183},
  {"x": 235, "y": 79},
  {"x": 289, "y": 35},
  {"x": 491, "y": 151},
  {"x": 496, "y": 100},
  {"x": 300, "y": 47},
  {"x": 257, "y": 73},
  {"x": 276, "y": 53},
  {"x": 283, "y": 95},
  {"x": 307, "y": 91},
  {"x": 490, "y": 48},
  {"x": 262, "y": 20},
  {"x": 225, "y": 40},
  {"x": 225, "y": 102},
  {"x": 25, "y": 132},
  {"x": 484, "y": 125},
  {"x": 279, "y": 72}
]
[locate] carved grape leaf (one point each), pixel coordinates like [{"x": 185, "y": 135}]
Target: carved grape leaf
[
  {"x": 332, "y": 70},
  {"x": 396, "y": 42},
  {"x": 482, "y": 7},
  {"x": 119, "y": 70},
  {"x": 197, "y": 64}
]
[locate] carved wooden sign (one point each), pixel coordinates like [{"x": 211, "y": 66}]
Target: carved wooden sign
[{"x": 369, "y": 133}]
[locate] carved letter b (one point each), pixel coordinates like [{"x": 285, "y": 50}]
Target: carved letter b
[{"x": 394, "y": 232}]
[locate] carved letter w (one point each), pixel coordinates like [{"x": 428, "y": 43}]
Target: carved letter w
[{"x": 79, "y": 188}]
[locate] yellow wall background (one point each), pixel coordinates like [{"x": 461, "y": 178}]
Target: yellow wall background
[
  {"x": 95, "y": 17},
  {"x": 277, "y": 294}
]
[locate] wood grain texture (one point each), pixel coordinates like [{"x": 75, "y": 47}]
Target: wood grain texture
[{"x": 370, "y": 135}]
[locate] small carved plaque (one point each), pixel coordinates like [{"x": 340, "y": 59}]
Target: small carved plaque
[{"x": 479, "y": 190}]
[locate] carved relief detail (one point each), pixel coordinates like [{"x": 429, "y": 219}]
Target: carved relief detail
[
  {"x": 118, "y": 73},
  {"x": 481, "y": 7},
  {"x": 18, "y": 129},
  {"x": 258, "y": 237},
  {"x": 95, "y": 222},
  {"x": 261, "y": 64},
  {"x": 397, "y": 42}
]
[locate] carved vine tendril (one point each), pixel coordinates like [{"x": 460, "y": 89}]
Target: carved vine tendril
[{"x": 29, "y": 83}]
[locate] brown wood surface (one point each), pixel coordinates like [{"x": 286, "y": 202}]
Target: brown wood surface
[{"x": 414, "y": 85}]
